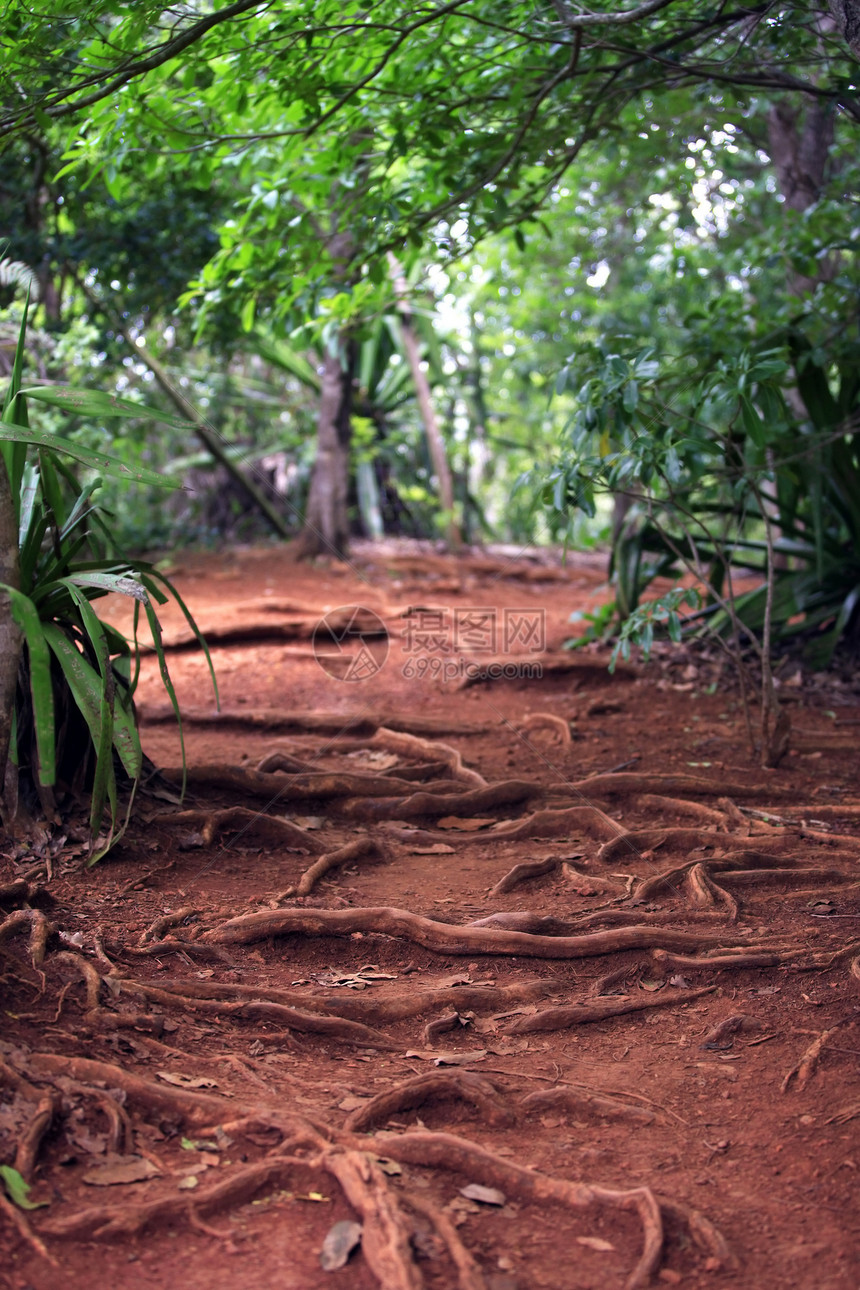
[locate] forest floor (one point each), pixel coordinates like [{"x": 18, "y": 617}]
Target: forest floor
[{"x": 524, "y": 972}]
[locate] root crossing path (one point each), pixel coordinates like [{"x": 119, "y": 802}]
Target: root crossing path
[{"x": 535, "y": 981}]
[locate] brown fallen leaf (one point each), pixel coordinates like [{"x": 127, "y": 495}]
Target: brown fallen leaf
[
  {"x": 186, "y": 1081},
  {"x": 595, "y": 1243},
  {"x": 120, "y": 1171},
  {"x": 486, "y": 1195},
  {"x": 447, "y": 1059},
  {"x": 341, "y": 1239},
  {"x": 437, "y": 849}
]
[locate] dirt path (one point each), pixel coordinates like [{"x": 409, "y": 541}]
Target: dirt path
[{"x": 392, "y": 946}]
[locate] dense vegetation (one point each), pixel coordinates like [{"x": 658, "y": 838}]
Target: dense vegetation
[{"x": 458, "y": 269}]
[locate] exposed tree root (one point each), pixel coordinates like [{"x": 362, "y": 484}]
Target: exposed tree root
[
  {"x": 706, "y": 1235},
  {"x": 353, "y": 1032},
  {"x": 707, "y": 894},
  {"x": 720, "y": 962},
  {"x": 350, "y": 1159},
  {"x": 319, "y": 785},
  {"x": 523, "y": 872},
  {"x": 579, "y": 1014},
  {"x": 578, "y": 1099},
  {"x": 280, "y": 759},
  {"x": 446, "y": 938},
  {"x": 239, "y": 819},
  {"x": 398, "y": 741},
  {"x": 441, "y": 1026},
  {"x": 195, "y": 1107},
  {"x": 172, "y": 945},
  {"x": 434, "y": 802},
  {"x": 722, "y": 1035},
  {"x": 679, "y": 806},
  {"x": 522, "y": 920},
  {"x": 638, "y": 840},
  {"x": 85, "y": 969},
  {"x": 628, "y": 782},
  {"x": 469, "y": 1275},
  {"x": 548, "y": 720},
  {"x": 824, "y": 811},
  {"x": 176, "y": 918},
  {"x": 460, "y": 1085},
  {"x": 586, "y": 881},
  {"x": 806, "y": 1067},
  {"x": 788, "y": 877},
  {"x": 445, "y": 1151},
  {"x": 98, "y": 1222},
  {"x": 589, "y": 820},
  {"x": 385, "y": 1238},
  {"x": 400, "y": 1007},
  {"x": 333, "y": 859},
  {"x": 31, "y": 1139},
  {"x": 37, "y": 925},
  {"x": 18, "y": 892}
]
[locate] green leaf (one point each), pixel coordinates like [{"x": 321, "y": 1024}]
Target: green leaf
[
  {"x": 26, "y": 615},
  {"x": 18, "y": 1190},
  {"x": 12, "y": 433},
  {"x": 95, "y": 403}
]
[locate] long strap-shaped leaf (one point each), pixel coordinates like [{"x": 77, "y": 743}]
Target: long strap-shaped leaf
[
  {"x": 26, "y": 615},
  {"x": 11, "y": 433}
]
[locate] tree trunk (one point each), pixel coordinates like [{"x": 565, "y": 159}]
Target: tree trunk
[
  {"x": 10, "y": 634},
  {"x": 326, "y": 529},
  {"x": 800, "y": 137},
  {"x": 846, "y": 14},
  {"x": 435, "y": 442}
]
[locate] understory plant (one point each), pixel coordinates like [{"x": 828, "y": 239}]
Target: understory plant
[
  {"x": 747, "y": 464},
  {"x": 69, "y": 715}
]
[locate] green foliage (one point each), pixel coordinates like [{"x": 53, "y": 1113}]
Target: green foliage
[
  {"x": 17, "y": 1189},
  {"x": 74, "y": 720}
]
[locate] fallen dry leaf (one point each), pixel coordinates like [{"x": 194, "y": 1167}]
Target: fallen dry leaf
[
  {"x": 486, "y": 1195},
  {"x": 340, "y": 1241},
  {"x": 595, "y": 1243},
  {"x": 120, "y": 1171},
  {"x": 186, "y": 1081}
]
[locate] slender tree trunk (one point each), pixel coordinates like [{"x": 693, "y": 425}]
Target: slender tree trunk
[
  {"x": 800, "y": 135},
  {"x": 10, "y": 634},
  {"x": 326, "y": 527},
  {"x": 435, "y": 442}
]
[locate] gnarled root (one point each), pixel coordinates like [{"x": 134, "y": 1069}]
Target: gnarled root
[
  {"x": 469, "y": 1275},
  {"x": 449, "y": 939},
  {"x": 579, "y": 1014},
  {"x": 37, "y": 925},
  {"x": 440, "y": 801},
  {"x": 576, "y": 1099},
  {"x": 239, "y": 819},
  {"x": 385, "y": 1238},
  {"x": 445, "y": 1151},
  {"x": 463, "y": 1085},
  {"x": 356, "y": 850}
]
